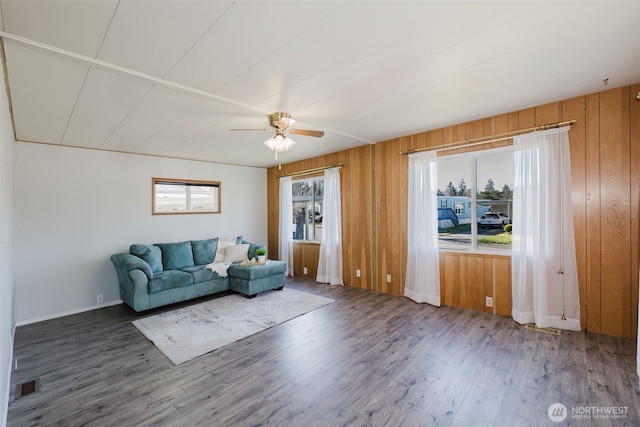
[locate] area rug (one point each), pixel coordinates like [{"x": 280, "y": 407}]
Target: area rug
[{"x": 192, "y": 331}]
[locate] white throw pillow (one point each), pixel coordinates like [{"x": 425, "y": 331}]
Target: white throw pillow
[
  {"x": 223, "y": 242},
  {"x": 236, "y": 253}
]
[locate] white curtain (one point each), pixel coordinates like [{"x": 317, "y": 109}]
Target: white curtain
[
  {"x": 423, "y": 272},
  {"x": 285, "y": 245},
  {"x": 330, "y": 261},
  {"x": 544, "y": 270}
]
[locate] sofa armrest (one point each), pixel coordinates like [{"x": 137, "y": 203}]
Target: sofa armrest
[
  {"x": 252, "y": 248},
  {"x": 134, "y": 275},
  {"x": 129, "y": 262}
]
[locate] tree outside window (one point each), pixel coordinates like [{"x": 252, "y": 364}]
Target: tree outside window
[{"x": 307, "y": 209}]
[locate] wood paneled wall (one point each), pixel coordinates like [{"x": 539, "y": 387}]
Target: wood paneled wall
[
  {"x": 358, "y": 232},
  {"x": 305, "y": 256},
  {"x": 605, "y": 170},
  {"x": 467, "y": 279}
]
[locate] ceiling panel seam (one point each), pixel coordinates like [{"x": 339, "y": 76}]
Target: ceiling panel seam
[
  {"x": 104, "y": 36},
  {"x": 198, "y": 40},
  {"x": 75, "y": 104}
]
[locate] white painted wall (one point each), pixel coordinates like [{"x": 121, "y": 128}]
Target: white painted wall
[
  {"x": 7, "y": 146},
  {"x": 76, "y": 207}
]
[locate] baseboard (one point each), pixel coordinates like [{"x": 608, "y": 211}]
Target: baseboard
[{"x": 67, "y": 313}]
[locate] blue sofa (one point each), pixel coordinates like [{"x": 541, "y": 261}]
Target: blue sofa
[{"x": 155, "y": 275}]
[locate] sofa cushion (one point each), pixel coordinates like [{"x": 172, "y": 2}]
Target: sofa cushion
[
  {"x": 223, "y": 242},
  {"x": 204, "y": 251},
  {"x": 169, "y": 279},
  {"x": 176, "y": 256},
  {"x": 236, "y": 253},
  {"x": 252, "y": 248},
  {"x": 258, "y": 271},
  {"x": 201, "y": 274},
  {"x": 151, "y": 254}
]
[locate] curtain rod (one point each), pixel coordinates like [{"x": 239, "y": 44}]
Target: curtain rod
[
  {"x": 483, "y": 139},
  {"x": 308, "y": 171}
]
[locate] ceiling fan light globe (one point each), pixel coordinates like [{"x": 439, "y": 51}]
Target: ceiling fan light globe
[
  {"x": 288, "y": 143},
  {"x": 285, "y": 122},
  {"x": 279, "y": 143}
]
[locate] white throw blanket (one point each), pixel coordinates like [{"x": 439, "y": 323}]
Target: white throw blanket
[{"x": 219, "y": 267}]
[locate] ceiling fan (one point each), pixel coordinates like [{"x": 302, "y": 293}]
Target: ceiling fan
[{"x": 280, "y": 123}]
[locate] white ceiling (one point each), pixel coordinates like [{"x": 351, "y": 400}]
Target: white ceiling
[{"x": 171, "y": 78}]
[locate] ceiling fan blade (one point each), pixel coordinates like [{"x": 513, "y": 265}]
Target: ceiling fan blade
[
  {"x": 307, "y": 132},
  {"x": 261, "y": 130}
]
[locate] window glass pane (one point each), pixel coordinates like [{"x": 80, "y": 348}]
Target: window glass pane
[
  {"x": 495, "y": 200},
  {"x": 454, "y": 204},
  {"x": 204, "y": 198},
  {"x": 307, "y": 209},
  {"x": 170, "y": 198},
  {"x": 299, "y": 223}
]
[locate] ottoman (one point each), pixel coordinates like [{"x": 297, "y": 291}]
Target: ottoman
[{"x": 253, "y": 279}]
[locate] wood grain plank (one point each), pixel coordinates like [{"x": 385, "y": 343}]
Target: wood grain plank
[
  {"x": 435, "y": 138},
  {"x": 381, "y": 153},
  {"x": 489, "y": 282},
  {"x": 461, "y": 281},
  {"x": 298, "y": 259},
  {"x": 273, "y": 212},
  {"x": 502, "y": 300},
  {"x": 450, "y": 278},
  {"x": 634, "y": 259},
  {"x": 548, "y": 113},
  {"x": 475, "y": 282},
  {"x": 359, "y": 236},
  {"x": 615, "y": 195},
  {"x": 593, "y": 238},
  {"x": 526, "y": 118}
]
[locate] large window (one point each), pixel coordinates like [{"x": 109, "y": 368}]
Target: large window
[
  {"x": 307, "y": 208},
  {"x": 175, "y": 196},
  {"x": 475, "y": 192}
]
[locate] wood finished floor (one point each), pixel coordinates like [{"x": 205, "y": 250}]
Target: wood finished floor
[{"x": 366, "y": 360}]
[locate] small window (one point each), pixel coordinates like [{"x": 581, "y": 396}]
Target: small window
[
  {"x": 459, "y": 208},
  {"x": 180, "y": 196}
]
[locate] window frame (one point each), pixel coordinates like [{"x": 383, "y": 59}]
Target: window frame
[
  {"x": 188, "y": 183},
  {"x": 472, "y": 156}
]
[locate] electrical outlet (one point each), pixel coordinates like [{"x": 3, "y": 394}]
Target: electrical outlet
[
  {"x": 304, "y": 270},
  {"x": 357, "y": 273},
  {"x": 388, "y": 278},
  {"x": 100, "y": 299},
  {"x": 488, "y": 301}
]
